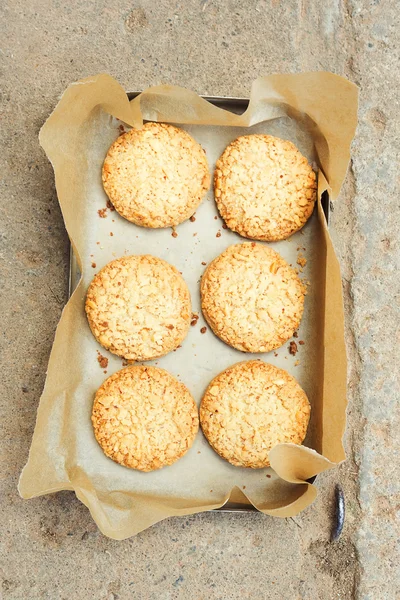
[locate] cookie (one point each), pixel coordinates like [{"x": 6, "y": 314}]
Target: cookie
[
  {"x": 251, "y": 407},
  {"x": 138, "y": 307},
  {"x": 251, "y": 298},
  {"x": 264, "y": 187},
  {"x": 144, "y": 418},
  {"x": 156, "y": 176}
]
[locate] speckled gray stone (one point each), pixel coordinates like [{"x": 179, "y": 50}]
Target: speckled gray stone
[{"x": 49, "y": 547}]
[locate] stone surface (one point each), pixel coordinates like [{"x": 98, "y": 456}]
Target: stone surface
[{"x": 50, "y": 547}]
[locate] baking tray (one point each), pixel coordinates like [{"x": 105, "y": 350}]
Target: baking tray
[{"x": 238, "y": 106}]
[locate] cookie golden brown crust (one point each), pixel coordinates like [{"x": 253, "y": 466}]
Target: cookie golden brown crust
[
  {"x": 138, "y": 307},
  {"x": 251, "y": 407},
  {"x": 156, "y": 176},
  {"x": 264, "y": 187},
  {"x": 251, "y": 298},
  {"x": 144, "y": 418}
]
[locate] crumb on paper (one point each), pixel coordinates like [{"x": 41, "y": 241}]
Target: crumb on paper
[
  {"x": 102, "y": 212},
  {"x": 127, "y": 363},
  {"x": 301, "y": 342},
  {"x": 275, "y": 354},
  {"x": 224, "y": 226},
  {"x": 295, "y": 334},
  {"x": 198, "y": 452},
  {"x": 293, "y": 348},
  {"x": 195, "y": 318},
  {"x": 296, "y": 364},
  {"x": 268, "y": 475},
  {"x": 102, "y": 360},
  {"x": 194, "y": 235},
  {"x": 203, "y": 329},
  {"x": 110, "y": 206},
  {"x": 301, "y": 260},
  {"x": 216, "y": 217},
  {"x": 97, "y": 243},
  {"x": 218, "y": 234},
  {"x": 203, "y": 263},
  {"x": 111, "y": 234},
  {"x": 121, "y": 129},
  {"x": 174, "y": 234},
  {"x": 192, "y": 218},
  {"x": 94, "y": 265},
  {"x": 105, "y": 372},
  {"x": 244, "y": 487}
]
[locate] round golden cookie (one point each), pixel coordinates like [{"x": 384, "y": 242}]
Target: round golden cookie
[
  {"x": 138, "y": 307},
  {"x": 156, "y": 176},
  {"x": 144, "y": 418},
  {"x": 264, "y": 187},
  {"x": 251, "y": 298},
  {"x": 251, "y": 407}
]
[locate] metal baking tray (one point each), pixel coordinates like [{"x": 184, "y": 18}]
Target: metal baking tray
[{"x": 237, "y": 106}]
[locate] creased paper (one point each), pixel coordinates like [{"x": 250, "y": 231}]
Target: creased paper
[{"x": 318, "y": 112}]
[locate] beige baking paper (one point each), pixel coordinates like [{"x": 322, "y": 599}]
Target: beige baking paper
[{"x": 317, "y": 111}]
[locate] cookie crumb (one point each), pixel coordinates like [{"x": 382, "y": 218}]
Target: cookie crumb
[
  {"x": 218, "y": 234},
  {"x": 94, "y": 265},
  {"x": 203, "y": 329},
  {"x": 194, "y": 235},
  {"x": 204, "y": 263},
  {"x": 301, "y": 260},
  {"x": 102, "y": 212},
  {"x": 195, "y": 318},
  {"x": 102, "y": 360},
  {"x": 192, "y": 218},
  {"x": 110, "y": 206},
  {"x": 174, "y": 234},
  {"x": 275, "y": 354},
  {"x": 215, "y": 217},
  {"x": 121, "y": 129},
  {"x": 301, "y": 342},
  {"x": 295, "y": 335},
  {"x": 268, "y": 475},
  {"x": 111, "y": 234},
  {"x": 127, "y": 363},
  {"x": 224, "y": 226},
  {"x": 296, "y": 364},
  {"x": 293, "y": 348}
]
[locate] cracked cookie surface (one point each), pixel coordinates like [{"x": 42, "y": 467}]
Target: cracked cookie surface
[
  {"x": 251, "y": 298},
  {"x": 264, "y": 188},
  {"x": 251, "y": 407},
  {"x": 139, "y": 307},
  {"x": 144, "y": 418},
  {"x": 156, "y": 176}
]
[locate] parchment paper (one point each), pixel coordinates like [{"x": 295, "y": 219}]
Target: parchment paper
[{"x": 317, "y": 111}]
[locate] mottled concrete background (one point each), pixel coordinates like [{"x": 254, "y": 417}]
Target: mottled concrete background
[{"x": 50, "y": 547}]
